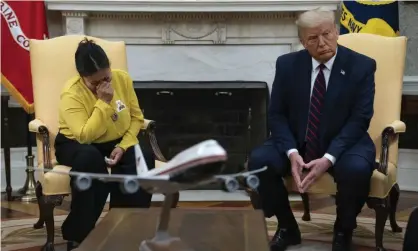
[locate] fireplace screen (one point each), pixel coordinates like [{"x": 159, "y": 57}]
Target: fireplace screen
[{"x": 233, "y": 113}]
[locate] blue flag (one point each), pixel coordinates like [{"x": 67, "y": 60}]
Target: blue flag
[{"x": 379, "y": 17}]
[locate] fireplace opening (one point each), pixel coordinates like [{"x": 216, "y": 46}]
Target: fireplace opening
[{"x": 233, "y": 112}]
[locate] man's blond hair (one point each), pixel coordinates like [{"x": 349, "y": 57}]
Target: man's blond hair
[{"x": 314, "y": 18}]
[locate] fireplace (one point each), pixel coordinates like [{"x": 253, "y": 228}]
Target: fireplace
[{"x": 233, "y": 113}]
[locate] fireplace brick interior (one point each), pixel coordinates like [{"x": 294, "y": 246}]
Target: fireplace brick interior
[{"x": 233, "y": 113}]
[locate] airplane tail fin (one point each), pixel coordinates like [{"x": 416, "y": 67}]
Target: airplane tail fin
[{"x": 141, "y": 164}]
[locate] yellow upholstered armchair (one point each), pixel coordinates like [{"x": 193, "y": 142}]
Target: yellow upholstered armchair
[
  {"x": 52, "y": 64},
  {"x": 389, "y": 53}
]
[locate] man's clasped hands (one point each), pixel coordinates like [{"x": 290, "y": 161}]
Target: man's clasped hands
[{"x": 305, "y": 174}]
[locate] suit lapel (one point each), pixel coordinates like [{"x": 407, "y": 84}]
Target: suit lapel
[
  {"x": 304, "y": 74},
  {"x": 335, "y": 85}
]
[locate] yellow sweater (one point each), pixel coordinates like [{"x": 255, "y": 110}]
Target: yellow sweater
[{"x": 87, "y": 119}]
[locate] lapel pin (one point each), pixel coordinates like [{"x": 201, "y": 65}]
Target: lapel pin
[
  {"x": 342, "y": 72},
  {"x": 114, "y": 116}
]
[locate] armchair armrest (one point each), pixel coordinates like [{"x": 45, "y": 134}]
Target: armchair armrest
[
  {"x": 391, "y": 130},
  {"x": 149, "y": 126},
  {"x": 396, "y": 126},
  {"x": 37, "y": 126}
]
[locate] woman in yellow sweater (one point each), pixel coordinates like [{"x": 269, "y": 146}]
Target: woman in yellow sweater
[{"x": 99, "y": 117}]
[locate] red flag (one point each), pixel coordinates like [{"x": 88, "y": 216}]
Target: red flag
[{"x": 21, "y": 21}]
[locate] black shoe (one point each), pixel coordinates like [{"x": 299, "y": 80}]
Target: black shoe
[
  {"x": 342, "y": 241},
  {"x": 285, "y": 237},
  {"x": 72, "y": 245}
]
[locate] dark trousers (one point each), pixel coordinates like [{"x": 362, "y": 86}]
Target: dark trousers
[
  {"x": 411, "y": 233},
  {"x": 352, "y": 173},
  {"x": 86, "y": 206}
]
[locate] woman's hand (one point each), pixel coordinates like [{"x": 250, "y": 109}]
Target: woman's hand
[
  {"x": 105, "y": 92},
  {"x": 115, "y": 156}
]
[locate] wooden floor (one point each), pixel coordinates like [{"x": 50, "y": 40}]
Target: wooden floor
[{"x": 319, "y": 204}]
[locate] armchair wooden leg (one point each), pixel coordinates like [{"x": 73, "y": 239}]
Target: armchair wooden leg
[
  {"x": 393, "y": 200},
  {"x": 50, "y": 231},
  {"x": 48, "y": 204},
  {"x": 381, "y": 207},
  {"x": 255, "y": 199},
  {"x": 41, "y": 220},
  {"x": 306, "y": 208}
]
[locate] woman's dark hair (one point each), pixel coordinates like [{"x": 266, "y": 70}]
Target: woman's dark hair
[{"x": 90, "y": 58}]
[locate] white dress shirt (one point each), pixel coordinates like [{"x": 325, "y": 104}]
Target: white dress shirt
[{"x": 327, "y": 74}]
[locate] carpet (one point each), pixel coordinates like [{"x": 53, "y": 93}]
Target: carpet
[
  {"x": 320, "y": 229},
  {"x": 19, "y": 235}
]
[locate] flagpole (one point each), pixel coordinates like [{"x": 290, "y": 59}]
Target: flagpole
[{"x": 28, "y": 190}]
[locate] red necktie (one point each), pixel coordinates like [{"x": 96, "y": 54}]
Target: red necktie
[{"x": 315, "y": 110}]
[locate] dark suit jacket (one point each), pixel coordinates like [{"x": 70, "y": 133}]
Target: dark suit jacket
[
  {"x": 346, "y": 113},
  {"x": 410, "y": 242}
]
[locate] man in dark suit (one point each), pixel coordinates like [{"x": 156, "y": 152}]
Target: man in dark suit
[
  {"x": 410, "y": 242},
  {"x": 320, "y": 110}
]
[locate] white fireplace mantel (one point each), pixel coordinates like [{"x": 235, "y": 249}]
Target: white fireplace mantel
[{"x": 190, "y": 5}]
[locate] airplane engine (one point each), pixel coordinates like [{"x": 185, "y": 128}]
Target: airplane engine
[
  {"x": 252, "y": 182},
  {"x": 83, "y": 182},
  {"x": 130, "y": 185},
  {"x": 230, "y": 185}
]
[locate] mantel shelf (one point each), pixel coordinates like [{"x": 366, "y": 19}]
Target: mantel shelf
[{"x": 189, "y": 5}]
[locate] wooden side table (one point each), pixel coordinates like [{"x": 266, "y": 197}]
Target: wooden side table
[
  {"x": 5, "y": 142},
  {"x": 201, "y": 229}
]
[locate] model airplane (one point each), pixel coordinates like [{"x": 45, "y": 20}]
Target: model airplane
[{"x": 195, "y": 166}]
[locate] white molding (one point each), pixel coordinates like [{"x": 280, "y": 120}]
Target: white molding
[
  {"x": 187, "y": 16},
  {"x": 75, "y": 22},
  {"x": 189, "y": 5},
  {"x": 408, "y": 169},
  {"x": 410, "y": 85},
  {"x": 17, "y": 157},
  {"x": 206, "y": 41},
  {"x": 194, "y": 28}
]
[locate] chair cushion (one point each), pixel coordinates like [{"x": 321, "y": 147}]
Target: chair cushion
[
  {"x": 379, "y": 187},
  {"x": 59, "y": 184},
  {"x": 56, "y": 183}
]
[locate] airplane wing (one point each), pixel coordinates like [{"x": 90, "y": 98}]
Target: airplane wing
[
  {"x": 232, "y": 182},
  {"x": 129, "y": 183},
  {"x": 160, "y": 183},
  {"x": 244, "y": 174}
]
